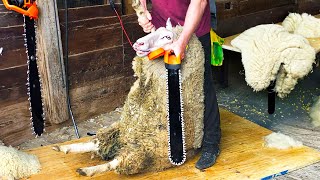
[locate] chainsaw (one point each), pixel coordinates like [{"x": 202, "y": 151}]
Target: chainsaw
[
  {"x": 29, "y": 10},
  {"x": 176, "y": 139}
]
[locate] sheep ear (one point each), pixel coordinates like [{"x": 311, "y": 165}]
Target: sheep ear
[{"x": 169, "y": 25}]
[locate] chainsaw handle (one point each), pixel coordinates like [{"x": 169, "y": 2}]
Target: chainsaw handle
[
  {"x": 156, "y": 54},
  {"x": 171, "y": 59},
  {"x": 32, "y": 11}
]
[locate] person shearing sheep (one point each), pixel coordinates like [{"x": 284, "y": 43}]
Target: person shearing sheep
[
  {"x": 138, "y": 142},
  {"x": 194, "y": 16}
]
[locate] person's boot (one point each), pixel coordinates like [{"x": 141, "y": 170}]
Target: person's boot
[{"x": 208, "y": 157}]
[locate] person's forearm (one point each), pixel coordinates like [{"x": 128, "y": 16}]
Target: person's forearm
[{"x": 193, "y": 18}]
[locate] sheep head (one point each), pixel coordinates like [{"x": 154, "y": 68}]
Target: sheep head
[{"x": 157, "y": 39}]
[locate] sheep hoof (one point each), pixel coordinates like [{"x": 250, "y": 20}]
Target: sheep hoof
[
  {"x": 83, "y": 172},
  {"x": 56, "y": 148}
]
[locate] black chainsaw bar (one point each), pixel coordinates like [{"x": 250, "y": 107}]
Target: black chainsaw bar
[
  {"x": 176, "y": 148},
  {"x": 29, "y": 10},
  {"x": 33, "y": 81}
]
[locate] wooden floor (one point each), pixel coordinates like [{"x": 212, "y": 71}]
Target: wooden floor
[{"x": 243, "y": 156}]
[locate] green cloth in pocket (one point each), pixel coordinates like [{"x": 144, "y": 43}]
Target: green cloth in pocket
[{"x": 216, "y": 49}]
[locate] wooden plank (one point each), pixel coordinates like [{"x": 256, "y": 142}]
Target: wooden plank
[
  {"x": 10, "y": 18},
  {"x": 12, "y": 42},
  {"x": 93, "y": 34},
  {"x": 50, "y": 63},
  {"x": 309, "y": 6},
  {"x": 15, "y": 123},
  {"x": 227, "y": 9},
  {"x": 12, "y": 95},
  {"x": 235, "y": 25},
  {"x": 89, "y": 12},
  {"x": 95, "y": 65},
  {"x": 13, "y": 77},
  {"x": 100, "y": 96},
  {"x": 12, "y": 57},
  {"x": 243, "y": 156},
  {"x": 11, "y": 31},
  {"x": 252, "y": 6}
]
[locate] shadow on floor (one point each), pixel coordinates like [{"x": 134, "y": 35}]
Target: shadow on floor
[{"x": 240, "y": 99}]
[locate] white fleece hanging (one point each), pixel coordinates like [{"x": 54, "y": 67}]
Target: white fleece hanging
[
  {"x": 304, "y": 24},
  {"x": 270, "y": 52}
]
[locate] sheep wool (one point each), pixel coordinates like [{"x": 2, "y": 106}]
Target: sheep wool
[
  {"x": 315, "y": 113},
  {"x": 304, "y": 24},
  {"x": 269, "y": 52},
  {"x": 16, "y": 164},
  {"x": 281, "y": 141},
  {"x": 140, "y": 139}
]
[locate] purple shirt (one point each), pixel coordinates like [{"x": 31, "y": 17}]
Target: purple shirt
[{"x": 176, "y": 10}]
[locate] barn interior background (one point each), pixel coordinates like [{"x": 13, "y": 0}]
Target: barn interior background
[{"x": 100, "y": 73}]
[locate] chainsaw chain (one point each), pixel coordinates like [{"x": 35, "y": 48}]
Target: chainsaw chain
[
  {"x": 34, "y": 84},
  {"x": 171, "y": 145}
]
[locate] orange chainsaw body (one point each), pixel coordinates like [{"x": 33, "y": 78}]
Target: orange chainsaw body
[
  {"x": 169, "y": 56},
  {"x": 29, "y": 8}
]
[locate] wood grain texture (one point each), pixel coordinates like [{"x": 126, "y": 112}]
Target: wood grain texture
[
  {"x": 93, "y": 34},
  {"x": 12, "y": 77},
  {"x": 243, "y": 156},
  {"x": 97, "y": 65},
  {"x": 309, "y": 6},
  {"x": 237, "y": 24},
  {"x": 15, "y": 122},
  {"x": 100, "y": 96},
  {"x": 89, "y": 12},
  {"x": 12, "y": 42},
  {"x": 50, "y": 63}
]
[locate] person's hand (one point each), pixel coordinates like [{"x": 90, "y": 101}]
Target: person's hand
[
  {"x": 145, "y": 19},
  {"x": 178, "y": 47}
]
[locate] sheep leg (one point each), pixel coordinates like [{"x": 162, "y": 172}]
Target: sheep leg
[
  {"x": 90, "y": 171},
  {"x": 78, "y": 147}
]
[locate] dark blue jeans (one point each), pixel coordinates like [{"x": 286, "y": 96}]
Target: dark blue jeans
[{"x": 212, "y": 131}]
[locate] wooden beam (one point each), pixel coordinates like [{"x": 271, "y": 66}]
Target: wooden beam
[{"x": 50, "y": 62}]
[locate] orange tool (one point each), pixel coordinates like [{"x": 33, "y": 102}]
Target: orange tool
[
  {"x": 169, "y": 57},
  {"x": 29, "y": 8}
]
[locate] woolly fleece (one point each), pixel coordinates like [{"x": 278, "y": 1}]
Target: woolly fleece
[
  {"x": 270, "y": 52},
  {"x": 139, "y": 140},
  {"x": 304, "y": 24},
  {"x": 15, "y": 164},
  {"x": 281, "y": 141}
]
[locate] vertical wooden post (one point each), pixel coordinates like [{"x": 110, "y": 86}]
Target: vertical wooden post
[{"x": 50, "y": 62}]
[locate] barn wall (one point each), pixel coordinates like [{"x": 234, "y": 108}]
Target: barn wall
[
  {"x": 309, "y": 6},
  {"x": 14, "y": 113},
  {"x": 100, "y": 73},
  {"x": 235, "y": 16}
]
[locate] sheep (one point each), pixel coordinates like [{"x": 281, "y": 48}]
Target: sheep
[
  {"x": 269, "y": 52},
  {"x": 138, "y": 142},
  {"x": 15, "y": 164},
  {"x": 304, "y": 24}
]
